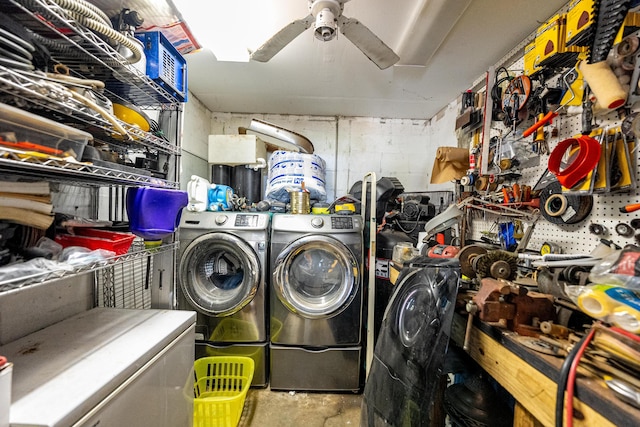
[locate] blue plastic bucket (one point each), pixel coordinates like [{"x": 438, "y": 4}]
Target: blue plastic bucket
[{"x": 154, "y": 213}]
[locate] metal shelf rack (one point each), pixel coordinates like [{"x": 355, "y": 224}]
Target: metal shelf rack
[
  {"x": 72, "y": 172},
  {"x": 88, "y": 55},
  {"x": 28, "y": 89},
  {"x": 134, "y": 254},
  {"x": 85, "y": 53}
]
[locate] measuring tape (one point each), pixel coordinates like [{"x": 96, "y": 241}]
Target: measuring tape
[{"x": 550, "y": 248}]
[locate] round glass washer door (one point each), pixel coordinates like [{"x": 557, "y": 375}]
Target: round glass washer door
[
  {"x": 417, "y": 310},
  {"x": 316, "y": 276},
  {"x": 219, "y": 274}
]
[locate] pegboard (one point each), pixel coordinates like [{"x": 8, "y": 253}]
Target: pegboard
[{"x": 574, "y": 238}]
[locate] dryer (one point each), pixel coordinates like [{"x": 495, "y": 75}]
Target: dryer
[
  {"x": 316, "y": 302},
  {"x": 221, "y": 272},
  {"x": 411, "y": 346}
]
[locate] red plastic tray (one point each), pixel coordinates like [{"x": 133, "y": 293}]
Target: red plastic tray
[{"x": 93, "y": 238}]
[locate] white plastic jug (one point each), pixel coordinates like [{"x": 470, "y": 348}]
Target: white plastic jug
[{"x": 198, "y": 190}]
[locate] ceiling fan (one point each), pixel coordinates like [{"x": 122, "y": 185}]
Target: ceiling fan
[{"x": 327, "y": 17}]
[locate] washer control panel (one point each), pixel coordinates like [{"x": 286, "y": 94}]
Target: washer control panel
[
  {"x": 341, "y": 222},
  {"x": 243, "y": 220}
]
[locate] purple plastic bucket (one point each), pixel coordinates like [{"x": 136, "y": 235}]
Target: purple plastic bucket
[{"x": 154, "y": 213}]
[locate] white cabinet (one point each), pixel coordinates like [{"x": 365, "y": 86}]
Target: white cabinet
[{"x": 113, "y": 367}]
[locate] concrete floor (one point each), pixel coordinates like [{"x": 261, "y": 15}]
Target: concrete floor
[{"x": 266, "y": 408}]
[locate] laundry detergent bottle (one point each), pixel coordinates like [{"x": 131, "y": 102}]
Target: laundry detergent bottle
[{"x": 198, "y": 190}]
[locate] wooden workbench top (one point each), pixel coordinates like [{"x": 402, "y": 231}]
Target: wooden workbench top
[{"x": 531, "y": 378}]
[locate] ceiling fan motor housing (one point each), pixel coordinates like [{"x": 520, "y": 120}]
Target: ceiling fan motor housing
[{"x": 326, "y": 13}]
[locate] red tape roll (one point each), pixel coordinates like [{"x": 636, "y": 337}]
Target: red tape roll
[{"x": 586, "y": 159}]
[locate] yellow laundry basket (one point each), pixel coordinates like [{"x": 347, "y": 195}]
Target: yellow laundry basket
[{"x": 220, "y": 387}]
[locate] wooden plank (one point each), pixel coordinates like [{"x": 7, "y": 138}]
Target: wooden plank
[
  {"x": 534, "y": 391},
  {"x": 523, "y": 418}
]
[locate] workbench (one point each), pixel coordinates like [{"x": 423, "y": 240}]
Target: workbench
[{"x": 531, "y": 378}]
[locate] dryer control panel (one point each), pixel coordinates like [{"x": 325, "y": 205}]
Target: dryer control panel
[{"x": 342, "y": 223}]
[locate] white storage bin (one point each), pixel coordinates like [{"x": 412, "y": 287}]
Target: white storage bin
[{"x": 236, "y": 150}]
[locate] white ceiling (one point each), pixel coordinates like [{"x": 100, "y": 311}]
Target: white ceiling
[{"x": 311, "y": 77}]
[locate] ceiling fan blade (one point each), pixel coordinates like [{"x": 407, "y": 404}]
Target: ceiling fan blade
[
  {"x": 282, "y": 38},
  {"x": 367, "y": 42}
]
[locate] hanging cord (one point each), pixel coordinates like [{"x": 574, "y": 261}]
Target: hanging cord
[
  {"x": 625, "y": 333},
  {"x": 563, "y": 378},
  {"x": 572, "y": 376}
]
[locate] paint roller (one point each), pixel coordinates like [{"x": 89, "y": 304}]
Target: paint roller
[{"x": 604, "y": 84}]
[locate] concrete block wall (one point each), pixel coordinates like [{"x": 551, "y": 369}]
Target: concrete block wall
[{"x": 350, "y": 146}]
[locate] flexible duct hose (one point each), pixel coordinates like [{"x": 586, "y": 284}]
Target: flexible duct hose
[
  {"x": 96, "y": 26},
  {"x": 90, "y": 16},
  {"x": 84, "y": 8}
]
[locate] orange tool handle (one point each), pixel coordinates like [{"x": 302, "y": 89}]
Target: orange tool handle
[
  {"x": 24, "y": 145},
  {"x": 517, "y": 195},
  {"x": 547, "y": 118},
  {"x": 630, "y": 208}
]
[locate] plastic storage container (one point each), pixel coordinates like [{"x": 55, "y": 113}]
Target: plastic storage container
[
  {"x": 93, "y": 239},
  {"x": 29, "y": 132},
  {"x": 165, "y": 65},
  {"x": 220, "y": 388},
  {"x": 154, "y": 213}
]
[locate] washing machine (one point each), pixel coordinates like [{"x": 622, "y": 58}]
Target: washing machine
[
  {"x": 222, "y": 268},
  {"x": 316, "y": 302},
  {"x": 413, "y": 340}
]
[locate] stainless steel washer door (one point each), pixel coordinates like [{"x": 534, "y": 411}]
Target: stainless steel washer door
[
  {"x": 316, "y": 276},
  {"x": 219, "y": 274}
]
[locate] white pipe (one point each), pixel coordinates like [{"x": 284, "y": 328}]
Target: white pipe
[{"x": 371, "y": 298}]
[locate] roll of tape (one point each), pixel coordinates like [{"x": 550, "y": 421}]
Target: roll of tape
[
  {"x": 555, "y": 205},
  {"x": 482, "y": 183},
  {"x": 595, "y": 303},
  {"x": 626, "y": 318},
  {"x": 554, "y": 210}
]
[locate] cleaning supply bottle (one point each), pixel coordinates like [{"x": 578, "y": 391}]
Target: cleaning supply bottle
[{"x": 198, "y": 190}]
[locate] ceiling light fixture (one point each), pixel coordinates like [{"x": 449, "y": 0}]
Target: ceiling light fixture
[
  {"x": 433, "y": 21},
  {"x": 326, "y": 22}
]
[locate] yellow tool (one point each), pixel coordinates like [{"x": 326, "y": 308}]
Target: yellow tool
[{"x": 345, "y": 208}]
